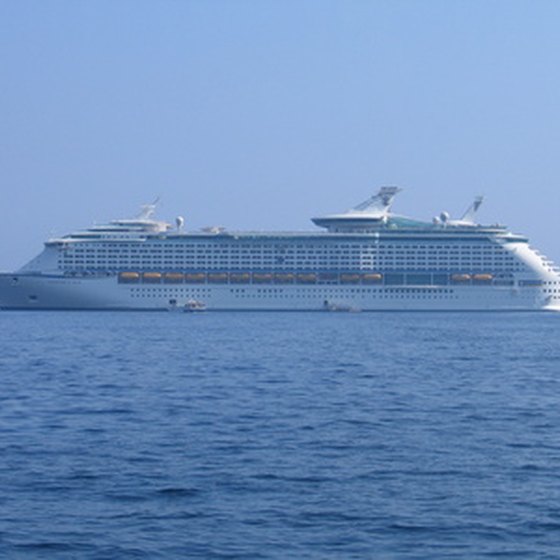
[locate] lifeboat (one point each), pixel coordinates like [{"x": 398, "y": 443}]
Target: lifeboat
[
  {"x": 173, "y": 278},
  {"x": 483, "y": 277},
  {"x": 283, "y": 278},
  {"x": 259, "y": 278},
  {"x": 129, "y": 277},
  {"x": 461, "y": 277},
  {"x": 372, "y": 278},
  {"x": 195, "y": 278},
  {"x": 306, "y": 278},
  {"x": 349, "y": 278},
  {"x": 151, "y": 277},
  {"x": 239, "y": 277},
  {"x": 217, "y": 277}
]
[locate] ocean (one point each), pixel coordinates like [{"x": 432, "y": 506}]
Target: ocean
[{"x": 279, "y": 435}]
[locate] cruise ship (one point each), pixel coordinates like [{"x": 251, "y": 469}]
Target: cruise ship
[{"x": 366, "y": 259}]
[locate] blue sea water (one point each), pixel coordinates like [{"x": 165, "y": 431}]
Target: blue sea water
[{"x": 279, "y": 435}]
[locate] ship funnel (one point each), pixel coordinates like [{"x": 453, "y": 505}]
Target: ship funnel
[
  {"x": 468, "y": 219},
  {"x": 148, "y": 210},
  {"x": 469, "y": 215},
  {"x": 379, "y": 203}
]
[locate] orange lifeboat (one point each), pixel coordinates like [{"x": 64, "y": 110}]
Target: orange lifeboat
[
  {"x": 173, "y": 278},
  {"x": 461, "y": 277},
  {"x": 328, "y": 276},
  {"x": 262, "y": 278},
  {"x": 483, "y": 277},
  {"x": 349, "y": 278},
  {"x": 283, "y": 278},
  {"x": 129, "y": 277},
  {"x": 372, "y": 278},
  {"x": 239, "y": 277},
  {"x": 307, "y": 278},
  {"x": 217, "y": 277},
  {"x": 195, "y": 278},
  {"x": 151, "y": 277}
]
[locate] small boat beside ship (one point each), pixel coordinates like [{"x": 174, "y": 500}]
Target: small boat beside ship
[{"x": 194, "y": 306}]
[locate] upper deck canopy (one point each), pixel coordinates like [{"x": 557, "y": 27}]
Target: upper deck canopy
[
  {"x": 368, "y": 215},
  {"x": 375, "y": 214}
]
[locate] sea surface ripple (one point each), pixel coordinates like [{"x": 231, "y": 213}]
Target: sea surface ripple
[{"x": 279, "y": 435}]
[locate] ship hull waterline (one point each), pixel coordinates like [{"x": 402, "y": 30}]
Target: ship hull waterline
[{"x": 40, "y": 292}]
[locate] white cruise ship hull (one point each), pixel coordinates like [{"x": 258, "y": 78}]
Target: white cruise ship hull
[{"x": 34, "y": 292}]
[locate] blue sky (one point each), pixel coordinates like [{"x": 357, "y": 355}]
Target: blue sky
[{"x": 260, "y": 114}]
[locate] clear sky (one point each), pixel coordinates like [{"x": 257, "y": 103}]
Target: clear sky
[{"x": 258, "y": 114}]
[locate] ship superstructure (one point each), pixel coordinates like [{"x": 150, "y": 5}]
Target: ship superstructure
[{"x": 364, "y": 259}]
